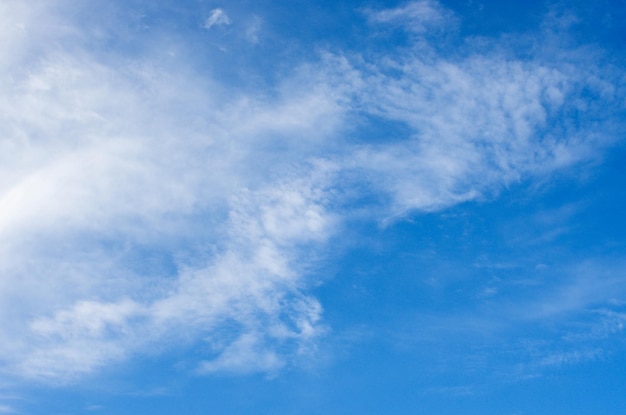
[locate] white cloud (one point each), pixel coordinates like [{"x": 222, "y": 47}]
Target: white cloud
[
  {"x": 244, "y": 355},
  {"x": 415, "y": 16},
  {"x": 477, "y": 123},
  {"x": 107, "y": 162},
  {"x": 569, "y": 358},
  {"x": 217, "y": 17}
]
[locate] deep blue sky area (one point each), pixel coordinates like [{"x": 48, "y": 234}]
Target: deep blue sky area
[{"x": 312, "y": 207}]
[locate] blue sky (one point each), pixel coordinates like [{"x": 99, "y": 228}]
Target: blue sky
[{"x": 310, "y": 207}]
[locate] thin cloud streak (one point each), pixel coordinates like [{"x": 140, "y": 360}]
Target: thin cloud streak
[{"x": 415, "y": 16}]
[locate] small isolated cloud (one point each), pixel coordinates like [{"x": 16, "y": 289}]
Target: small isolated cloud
[
  {"x": 570, "y": 358},
  {"x": 218, "y": 17},
  {"x": 417, "y": 16},
  {"x": 253, "y": 30},
  {"x": 246, "y": 355}
]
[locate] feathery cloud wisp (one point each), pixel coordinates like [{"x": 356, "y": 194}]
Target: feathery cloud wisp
[
  {"x": 217, "y": 17},
  {"x": 141, "y": 204}
]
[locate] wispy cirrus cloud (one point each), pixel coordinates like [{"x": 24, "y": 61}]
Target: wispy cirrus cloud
[
  {"x": 217, "y": 17},
  {"x": 102, "y": 170},
  {"x": 415, "y": 16},
  {"x": 110, "y": 162},
  {"x": 566, "y": 317}
]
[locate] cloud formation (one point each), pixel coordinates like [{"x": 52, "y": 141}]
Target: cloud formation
[
  {"x": 217, "y": 17},
  {"x": 415, "y": 16},
  {"x": 143, "y": 204}
]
